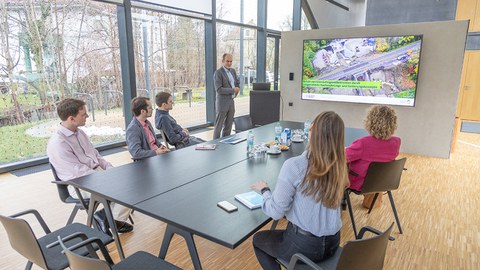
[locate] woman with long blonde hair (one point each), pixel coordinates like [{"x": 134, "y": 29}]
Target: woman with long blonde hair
[{"x": 308, "y": 193}]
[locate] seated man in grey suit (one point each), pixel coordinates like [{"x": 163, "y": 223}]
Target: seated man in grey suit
[
  {"x": 141, "y": 140},
  {"x": 176, "y": 135}
]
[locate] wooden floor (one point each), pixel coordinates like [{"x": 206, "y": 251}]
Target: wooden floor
[{"x": 438, "y": 204}]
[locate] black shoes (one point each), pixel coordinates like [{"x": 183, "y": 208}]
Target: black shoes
[
  {"x": 123, "y": 227},
  {"x": 102, "y": 224}
]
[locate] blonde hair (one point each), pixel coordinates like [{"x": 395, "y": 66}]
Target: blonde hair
[
  {"x": 381, "y": 122},
  {"x": 326, "y": 176}
]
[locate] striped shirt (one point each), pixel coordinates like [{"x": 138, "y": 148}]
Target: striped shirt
[{"x": 287, "y": 200}]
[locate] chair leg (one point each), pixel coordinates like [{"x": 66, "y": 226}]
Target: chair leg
[
  {"x": 373, "y": 202},
  {"x": 395, "y": 211},
  {"x": 73, "y": 214},
  {"x": 274, "y": 225},
  {"x": 131, "y": 219},
  {"x": 350, "y": 211},
  {"x": 29, "y": 265}
]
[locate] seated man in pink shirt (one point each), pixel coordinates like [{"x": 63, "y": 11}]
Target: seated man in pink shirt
[
  {"x": 72, "y": 155},
  {"x": 379, "y": 146},
  {"x": 141, "y": 140}
]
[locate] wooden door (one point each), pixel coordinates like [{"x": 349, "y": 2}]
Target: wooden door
[
  {"x": 470, "y": 91},
  {"x": 469, "y": 10}
]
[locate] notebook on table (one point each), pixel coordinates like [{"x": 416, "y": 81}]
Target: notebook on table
[
  {"x": 233, "y": 140},
  {"x": 203, "y": 146},
  {"x": 250, "y": 199}
]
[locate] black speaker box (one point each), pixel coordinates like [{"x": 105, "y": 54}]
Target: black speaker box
[{"x": 264, "y": 107}]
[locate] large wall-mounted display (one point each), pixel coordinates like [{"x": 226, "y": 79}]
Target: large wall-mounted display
[
  {"x": 375, "y": 70},
  {"x": 426, "y": 128}
]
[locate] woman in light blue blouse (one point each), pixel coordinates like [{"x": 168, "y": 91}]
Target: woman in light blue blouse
[{"x": 308, "y": 194}]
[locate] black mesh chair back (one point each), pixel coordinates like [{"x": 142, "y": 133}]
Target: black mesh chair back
[{"x": 242, "y": 123}]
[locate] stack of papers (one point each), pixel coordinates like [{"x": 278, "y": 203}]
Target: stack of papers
[
  {"x": 250, "y": 199},
  {"x": 233, "y": 140},
  {"x": 205, "y": 146}
]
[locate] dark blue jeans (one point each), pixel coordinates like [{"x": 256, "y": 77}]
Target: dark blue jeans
[{"x": 272, "y": 244}]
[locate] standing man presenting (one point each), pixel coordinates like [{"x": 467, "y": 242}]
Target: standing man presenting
[{"x": 227, "y": 88}]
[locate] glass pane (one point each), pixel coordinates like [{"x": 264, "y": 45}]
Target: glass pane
[
  {"x": 270, "y": 57},
  {"x": 279, "y": 15},
  {"x": 304, "y": 24},
  {"x": 231, "y": 10},
  {"x": 170, "y": 56},
  {"x": 50, "y": 50},
  {"x": 229, "y": 40}
]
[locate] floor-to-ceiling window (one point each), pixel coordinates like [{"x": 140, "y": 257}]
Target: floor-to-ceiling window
[
  {"x": 50, "y": 50},
  {"x": 240, "y": 39},
  {"x": 170, "y": 56}
]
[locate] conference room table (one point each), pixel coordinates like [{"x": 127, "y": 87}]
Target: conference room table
[{"x": 182, "y": 189}]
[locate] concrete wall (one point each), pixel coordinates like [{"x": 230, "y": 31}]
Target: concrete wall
[
  {"x": 381, "y": 12},
  {"x": 425, "y": 129},
  {"x": 328, "y": 15}
]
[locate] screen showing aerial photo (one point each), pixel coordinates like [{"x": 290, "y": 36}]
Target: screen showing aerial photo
[{"x": 377, "y": 70}]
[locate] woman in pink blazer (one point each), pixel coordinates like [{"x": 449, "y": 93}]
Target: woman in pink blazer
[{"x": 379, "y": 146}]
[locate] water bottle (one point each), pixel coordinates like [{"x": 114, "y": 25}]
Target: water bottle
[
  {"x": 306, "y": 128},
  {"x": 278, "y": 132},
  {"x": 289, "y": 136},
  {"x": 250, "y": 143},
  {"x": 283, "y": 138}
]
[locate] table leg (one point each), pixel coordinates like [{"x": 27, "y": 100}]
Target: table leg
[
  {"x": 167, "y": 238},
  {"x": 94, "y": 199}
]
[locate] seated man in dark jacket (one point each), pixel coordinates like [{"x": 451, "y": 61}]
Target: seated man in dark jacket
[
  {"x": 176, "y": 135},
  {"x": 141, "y": 140}
]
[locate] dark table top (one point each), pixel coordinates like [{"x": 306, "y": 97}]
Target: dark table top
[
  {"x": 135, "y": 182},
  {"x": 183, "y": 187},
  {"x": 193, "y": 207}
]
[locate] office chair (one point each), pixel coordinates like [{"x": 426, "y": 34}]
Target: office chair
[
  {"x": 66, "y": 197},
  {"x": 381, "y": 177},
  {"x": 64, "y": 194},
  {"x": 138, "y": 260},
  {"x": 242, "y": 123},
  {"x": 37, "y": 251},
  {"x": 165, "y": 141},
  {"x": 359, "y": 254}
]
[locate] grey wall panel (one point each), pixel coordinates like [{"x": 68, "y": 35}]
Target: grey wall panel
[
  {"x": 425, "y": 129},
  {"x": 409, "y": 11},
  {"x": 328, "y": 15}
]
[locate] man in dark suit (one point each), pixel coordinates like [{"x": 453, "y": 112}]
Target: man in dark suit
[
  {"x": 141, "y": 140},
  {"x": 227, "y": 88}
]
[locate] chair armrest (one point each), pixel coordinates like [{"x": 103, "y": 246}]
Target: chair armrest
[
  {"x": 37, "y": 215},
  {"x": 372, "y": 230},
  {"x": 69, "y": 237},
  {"x": 63, "y": 183},
  {"x": 88, "y": 242},
  {"x": 300, "y": 257}
]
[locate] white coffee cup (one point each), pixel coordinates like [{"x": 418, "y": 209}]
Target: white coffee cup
[
  {"x": 274, "y": 148},
  {"x": 297, "y": 137}
]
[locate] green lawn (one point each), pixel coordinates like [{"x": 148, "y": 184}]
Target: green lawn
[{"x": 16, "y": 146}]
